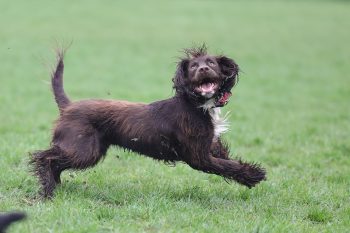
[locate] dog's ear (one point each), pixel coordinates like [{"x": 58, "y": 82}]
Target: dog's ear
[
  {"x": 229, "y": 70},
  {"x": 229, "y": 67},
  {"x": 180, "y": 77}
]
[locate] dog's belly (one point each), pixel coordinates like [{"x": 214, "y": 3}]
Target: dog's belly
[{"x": 157, "y": 147}]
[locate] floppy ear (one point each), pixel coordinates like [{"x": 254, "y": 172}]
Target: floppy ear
[
  {"x": 228, "y": 67},
  {"x": 230, "y": 71},
  {"x": 180, "y": 77}
]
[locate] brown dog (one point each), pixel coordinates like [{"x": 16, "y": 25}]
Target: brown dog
[{"x": 185, "y": 128}]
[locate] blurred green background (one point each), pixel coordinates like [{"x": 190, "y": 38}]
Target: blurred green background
[{"x": 290, "y": 112}]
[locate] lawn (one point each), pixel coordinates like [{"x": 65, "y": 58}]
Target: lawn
[{"x": 290, "y": 112}]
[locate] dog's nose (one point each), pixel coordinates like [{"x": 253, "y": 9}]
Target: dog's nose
[{"x": 203, "y": 69}]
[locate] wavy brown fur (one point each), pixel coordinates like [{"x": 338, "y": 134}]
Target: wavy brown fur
[
  {"x": 171, "y": 130},
  {"x": 196, "y": 51}
]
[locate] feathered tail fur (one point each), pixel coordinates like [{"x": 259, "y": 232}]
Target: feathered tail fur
[{"x": 57, "y": 83}]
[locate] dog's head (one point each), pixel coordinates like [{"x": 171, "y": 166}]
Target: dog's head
[{"x": 203, "y": 77}]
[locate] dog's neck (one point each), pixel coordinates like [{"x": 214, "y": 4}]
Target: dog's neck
[
  {"x": 197, "y": 101},
  {"x": 209, "y": 104}
]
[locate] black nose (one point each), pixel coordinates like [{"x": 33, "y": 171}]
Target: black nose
[{"x": 203, "y": 69}]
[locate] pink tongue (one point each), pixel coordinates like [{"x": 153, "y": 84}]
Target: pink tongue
[{"x": 207, "y": 87}]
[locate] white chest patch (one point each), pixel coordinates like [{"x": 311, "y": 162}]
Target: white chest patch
[{"x": 220, "y": 123}]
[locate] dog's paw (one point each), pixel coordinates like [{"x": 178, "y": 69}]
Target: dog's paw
[{"x": 250, "y": 174}]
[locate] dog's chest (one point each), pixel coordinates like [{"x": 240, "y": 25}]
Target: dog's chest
[{"x": 220, "y": 123}]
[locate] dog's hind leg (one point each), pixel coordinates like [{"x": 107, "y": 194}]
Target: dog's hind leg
[
  {"x": 45, "y": 168},
  {"x": 58, "y": 166}
]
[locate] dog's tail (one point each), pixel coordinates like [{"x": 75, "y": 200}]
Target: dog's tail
[
  {"x": 7, "y": 219},
  {"x": 57, "y": 82}
]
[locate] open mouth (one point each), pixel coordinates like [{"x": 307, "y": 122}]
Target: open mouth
[{"x": 207, "y": 88}]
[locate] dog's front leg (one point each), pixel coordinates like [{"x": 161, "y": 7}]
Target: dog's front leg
[
  {"x": 219, "y": 149},
  {"x": 244, "y": 173}
]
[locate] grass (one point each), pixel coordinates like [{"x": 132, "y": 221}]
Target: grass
[{"x": 290, "y": 112}]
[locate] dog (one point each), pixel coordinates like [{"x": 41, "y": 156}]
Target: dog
[
  {"x": 8, "y": 218},
  {"x": 185, "y": 128}
]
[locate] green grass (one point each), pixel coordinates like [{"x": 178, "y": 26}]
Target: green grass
[{"x": 290, "y": 112}]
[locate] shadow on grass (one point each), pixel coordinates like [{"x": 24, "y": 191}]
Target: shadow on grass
[{"x": 131, "y": 193}]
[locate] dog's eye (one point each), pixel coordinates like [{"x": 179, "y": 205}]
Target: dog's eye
[
  {"x": 194, "y": 66},
  {"x": 211, "y": 63}
]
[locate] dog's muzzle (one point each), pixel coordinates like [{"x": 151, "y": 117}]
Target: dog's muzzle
[{"x": 207, "y": 89}]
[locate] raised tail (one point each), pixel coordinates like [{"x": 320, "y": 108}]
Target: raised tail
[{"x": 57, "y": 83}]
